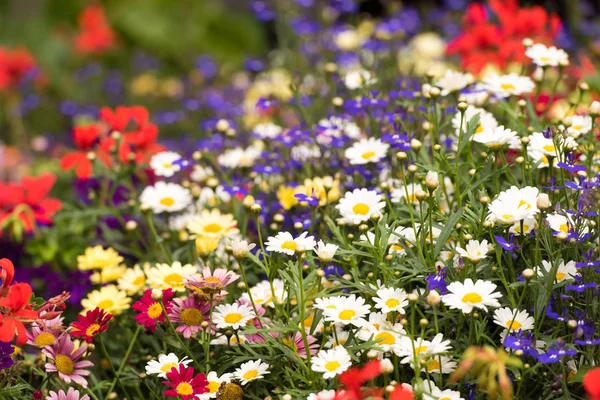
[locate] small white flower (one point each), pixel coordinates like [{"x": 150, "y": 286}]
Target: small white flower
[
  {"x": 325, "y": 252},
  {"x": 508, "y": 85},
  {"x": 240, "y": 248},
  {"x": 358, "y": 206},
  {"x": 164, "y": 364},
  {"x": 166, "y": 197},
  {"x": 513, "y": 320},
  {"x": 421, "y": 348},
  {"x": 486, "y": 120},
  {"x": 498, "y": 138},
  {"x": 366, "y": 151},
  {"x": 470, "y": 295},
  {"x": 331, "y": 362},
  {"x": 547, "y": 56},
  {"x": 358, "y": 78},
  {"x": 564, "y": 271},
  {"x": 452, "y": 81},
  {"x": 267, "y": 130},
  {"x": 164, "y": 163},
  {"x": 232, "y": 316},
  {"x": 389, "y": 299},
  {"x": 285, "y": 243},
  {"x": 251, "y": 370},
  {"x": 475, "y": 251},
  {"x": 348, "y": 310},
  {"x": 580, "y": 125}
]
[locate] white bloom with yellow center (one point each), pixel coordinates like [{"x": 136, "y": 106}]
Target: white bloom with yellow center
[
  {"x": 508, "y": 85},
  {"x": 323, "y": 395},
  {"x": 108, "y": 298},
  {"x": 452, "y": 81},
  {"x": 390, "y": 299},
  {"x": 475, "y": 250},
  {"x": 164, "y": 364},
  {"x": 408, "y": 192},
  {"x": 164, "y": 163},
  {"x": 358, "y": 79},
  {"x": 524, "y": 227},
  {"x": 358, "y": 206},
  {"x": 439, "y": 364},
  {"x": 331, "y": 362},
  {"x": 470, "y": 295},
  {"x": 421, "y": 348},
  {"x": 214, "y": 383},
  {"x": 324, "y": 303},
  {"x": 268, "y": 130},
  {"x": 564, "y": 223},
  {"x": 513, "y": 320},
  {"x": 213, "y": 224},
  {"x": 543, "y": 56},
  {"x": 250, "y": 371},
  {"x": 386, "y": 335},
  {"x": 232, "y": 316},
  {"x": 285, "y": 243},
  {"x": 133, "y": 281},
  {"x": 166, "y": 197},
  {"x": 580, "y": 125},
  {"x": 514, "y": 205},
  {"x": 498, "y": 138},
  {"x": 366, "y": 151},
  {"x": 348, "y": 310},
  {"x": 325, "y": 252},
  {"x": 438, "y": 394},
  {"x": 239, "y": 157},
  {"x": 564, "y": 271},
  {"x": 486, "y": 120},
  {"x": 165, "y": 276}
]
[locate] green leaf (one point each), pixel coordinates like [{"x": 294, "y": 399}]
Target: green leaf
[{"x": 447, "y": 231}]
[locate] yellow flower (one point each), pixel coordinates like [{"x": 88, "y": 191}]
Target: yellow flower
[
  {"x": 98, "y": 258},
  {"x": 206, "y": 244},
  {"x": 326, "y": 189},
  {"x": 165, "y": 276},
  {"x": 285, "y": 195},
  {"x": 144, "y": 85},
  {"x": 213, "y": 224},
  {"x": 108, "y": 274},
  {"x": 108, "y": 298},
  {"x": 133, "y": 281}
]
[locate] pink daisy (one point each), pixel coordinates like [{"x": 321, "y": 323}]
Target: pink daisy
[
  {"x": 190, "y": 313},
  {"x": 64, "y": 361},
  {"x": 72, "y": 394},
  {"x": 212, "y": 282},
  {"x": 297, "y": 343},
  {"x": 257, "y": 323}
]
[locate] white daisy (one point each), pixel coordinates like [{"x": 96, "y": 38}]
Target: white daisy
[
  {"x": 358, "y": 206},
  {"x": 267, "y": 130},
  {"x": 439, "y": 364},
  {"x": 164, "y": 364},
  {"x": 323, "y": 303},
  {"x": 508, "y": 85},
  {"x": 408, "y": 192},
  {"x": 358, "y": 78},
  {"x": 339, "y": 339},
  {"x": 547, "y": 56},
  {"x": 452, "y": 81},
  {"x": 331, "y": 362},
  {"x": 386, "y": 335},
  {"x": 447, "y": 394},
  {"x": 214, "y": 383},
  {"x": 336, "y": 127},
  {"x": 232, "y": 316},
  {"x": 389, "y": 299},
  {"x": 564, "y": 223},
  {"x": 325, "y": 252},
  {"x": 498, "y": 138},
  {"x": 239, "y": 157},
  {"x": 164, "y": 163},
  {"x": 166, "y": 197},
  {"x": 323, "y": 395},
  {"x": 366, "y": 151},
  {"x": 486, "y": 120},
  {"x": 580, "y": 125},
  {"x": 469, "y": 295},
  {"x": 524, "y": 227},
  {"x": 263, "y": 295},
  {"x": 513, "y": 320},
  {"x": 285, "y": 243},
  {"x": 251, "y": 370},
  {"x": 421, "y": 348},
  {"x": 514, "y": 205},
  {"x": 564, "y": 271},
  {"x": 475, "y": 250},
  {"x": 348, "y": 310}
]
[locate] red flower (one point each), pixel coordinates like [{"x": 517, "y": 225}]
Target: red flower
[
  {"x": 28, "y": 202},
  {"x": 591, "y": 383},
  {"x": 95, "y": 35},
  {"x": 85, "y": 137},
  {"x": 184, "y": 384},
  {"x": 91, "y": 324},
  {"x": 14, "y": 65},
  {"x": 354, "y": 378},
  {"x": 401, "y": 393},
  {"x": 150, "y": 310},
  {"x": 15, "y": 310},
  {"x": 483, "y": 42},
  {"x": 7, "y": 273}
]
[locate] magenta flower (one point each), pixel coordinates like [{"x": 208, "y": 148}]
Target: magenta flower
[
  {"x": 72, "y": 394},
  {"x": 64, "y": 361},
  {"x": 212, "y": 282},
  {"x": 190, "y": 314},
  {"x": 297, "y": 343}
]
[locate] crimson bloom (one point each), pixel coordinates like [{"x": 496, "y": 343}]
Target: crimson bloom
[
  {"x": 184, "y": 384},
  {"x": 14, "y": 65},
  {"x": 7, "y": 273},
  {"x": 91, "y": 324},
  {"x": 150, "y": 310},
  {"x": 354, "y": 378},
  {"x": 591, "y": 383},
  {"x": 95, "y": 35},
  {"x": 14, "y": 310},
  {"x": 85, "y": 137}
]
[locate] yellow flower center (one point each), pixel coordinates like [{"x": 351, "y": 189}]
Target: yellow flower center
[
  {"x": 360, "y": 208},
  {"x": 64, "y": 364},
  {"x": 421, "y": 349},
  {"x": 347, "y": 315},
  {"x": 155, "y": 310},
  {"x": 213, "y": 386},
  {"x": 191, "y": 317},
  {"x": 233, "y": 318},
  {"x": 564, "y": 228},
  {"x": 508, "y": 86},
  {"x": 368, "y": 155},
  {"x": 168, "y": 367},
  {"x": 213, "y": 228},
  {"x": 140, "y": 280},
  {"x": 472, "y": 298},
  {"x": 106, "y": 304},
  {"x": 212, "y": 279},
  {"x": 251, "y": 374},
  {"x": 507, "y": 217},
  {"x": 167, "y": 201},
  {"x": 332, "y": 366},
  {"x": 167, "y": 165},
  {"x": 549, "y": 148},
  {"x": 289, "y": 245},
  {"x": 44, "y": 339},
  {"x": 385, "y": 338},
  {"x": 92, "y": 330},
  {"x": 560, "y": 276},
  {"x": 184, "y": 389},
  {"x": 577, "y": 127},
  {"x": 479, "y": 129},
  {"x": 392, "y": 303},
  {"x": 433, "y": 365},
  {"x": 513, "y": 325},
  {"x": 524, "y": 203},
  {"x": 174, "y": 280}
]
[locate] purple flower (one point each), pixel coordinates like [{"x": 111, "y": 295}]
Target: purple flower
[
  {"x": 438, "y": 281},
  {"x": 507, "y": 245},
  {"x": 556, "y": 352},
  {"x": 580, "y": 287},
  {"x": 6, "y": 351},
  {"x": 570, "y": 164},
  {"x": 524, "y": 341},
  {"x": 311, "y": 200}
]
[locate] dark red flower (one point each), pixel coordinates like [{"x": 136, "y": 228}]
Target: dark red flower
[
  {"x": 91, "y": 324},
  {"x": 14, "y": 65},
  {"x": 150, "y": 310},
  {"x": 591, "y": 383},
  {"x": 95, "y": 35},
  {"x": 184, "y": 384},
  {"x": 14, "y": 312}
]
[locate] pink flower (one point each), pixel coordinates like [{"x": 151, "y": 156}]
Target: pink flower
[
  {"x": 72, "y": 394},
  {"x": 212, "y": 282},
  {"x": 190, "y": 313},
  {"x": 64, "y": 361},
  {"x": 150, "y": 311},
  {"x": 297, "y": 343}
]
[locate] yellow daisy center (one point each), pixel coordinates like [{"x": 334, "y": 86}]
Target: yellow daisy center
[
  {"x": 213, "y": 228},
  {"x": 168, "y": 367},
  {"x": 64, "y": 364},
  {"x": 560, "y": 276},
  {"x": 140, "y": 280},
  {"x": 347, "y": 315},
  {"x": 167, "y": 201},
  {"x": 368, "y": 154},
  {"x": 524, "y": 203},
  {"x": 173, "y": 280},
  {"x": 433, "y": 365},
  {"x": 106, "y": 304},
  {"x": 507, "y": 217},
  {"x": 507, "y": 86},
  {"x": 549, "y": 148},
  {"x": 472, "y": 298},
  {"x": 479, "y": 129},
  {"x": 392, "y": 303},
  {"x": 420, "y": 349},
  {"x": 92, "y": 330},
  {"x": 213, "y": 386},
  {"x": 385, "y": 338},
  {"x": 191, "y": 317},
  {"x": 513, "y": 325},
  {"x": 184, "y": 389},
  {"x": 360, "y": 208},
  {"x": 155, "y": 310},
  {"x": 44, "y": 339},
  {"x": 289, "y": 245},
  {"x": 577, "y": 127},
  {"x": 167, "y": 165},
  {"x": 233, "y": 318},
  {"x": 332, "y": 366},
  {"x": 564, "y": 228},
  {"x": 250, "y": 374}
]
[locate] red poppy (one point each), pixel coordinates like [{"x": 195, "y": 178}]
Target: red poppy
[
  {"x": 150, "y": 310},
  {"x": 15, "y": 311},
  {"x": 85, "y": 137},
  {"x": 354, "y": 378},
  {"x": 184, "y": 384},
  {"x": 14, "y": 65},
  {"x": 401, "y": 393},
  {"x": 27, "y": 202},
  {"x": 484, "y": 42},
  {"x": 95, "y": 35},
  {"x": 7, "y": 273},
  {"x": 591, "y": 383},
  {"x": 91, "y": 324}
]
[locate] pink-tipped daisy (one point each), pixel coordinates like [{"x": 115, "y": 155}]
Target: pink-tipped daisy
[
  {"x": 64, "y": 361},
  {"x": 297, "y": 344},
  {"x": 71, "y": 394},
  {"x": 189, "y": 314},
  {"x": 184, "y": 384}
]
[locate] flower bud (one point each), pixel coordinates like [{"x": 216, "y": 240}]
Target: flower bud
[
  {"x": 222, "y": 125},
  {"x": 462, "y": 106},
  {"x": 528, "y": 273},
  {"x": 131, "y": 225},
  {"x": 431, "y": 180},
  {"x": 595, "y": 108},
  {"x": 157, "y": 294},
  {"x": 543, "y": 201},
  {"x": 416, "y": 144},
  {"x": 433, "y": 298}
]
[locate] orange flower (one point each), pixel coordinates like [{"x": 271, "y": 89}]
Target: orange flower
[{"x": 15, "y": 312}]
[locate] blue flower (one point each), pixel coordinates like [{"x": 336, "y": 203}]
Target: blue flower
[
  {"x": 524, "y": 341},
  {"x": 6, "y": 351},
  {"x": 311, "y": 200},
  {"x": 507, "y": 245},
  {"x": 556, "y": 352},
  {"x": 438, "y": 281}
]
